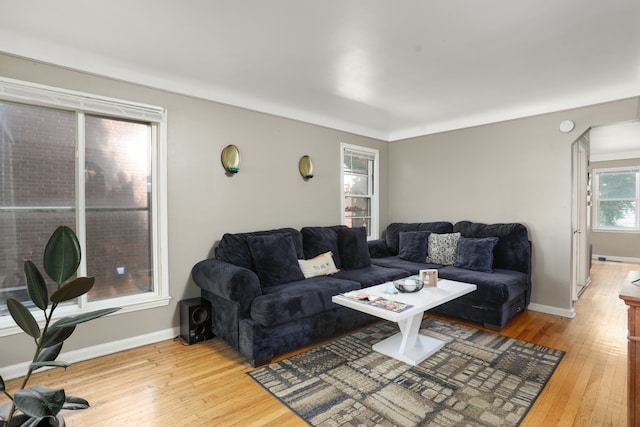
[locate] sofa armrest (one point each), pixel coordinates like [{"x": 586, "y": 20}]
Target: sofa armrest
[
  {"x": 378, "y": 248},
  {"x": 228, "y": 281}
]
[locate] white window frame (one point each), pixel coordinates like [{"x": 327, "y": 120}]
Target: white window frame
[
  {"x": 373, "y": 233},
  {"x": 596, "y": 199},
  {"x": 83, "y": 103}
]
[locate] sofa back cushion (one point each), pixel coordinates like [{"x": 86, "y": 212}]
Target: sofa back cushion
[
  {"x": 354, "y": 250},
  {"x": 513, "y": 250},
  {"x": 392, "y": 235},
  {"x": 275, "y": 258},
  {"x": 233, "y": 248},
  {"x": 414, "y": 245},
  {"x": 476, "y": 253},
  {"x": 319, "y": 240}
]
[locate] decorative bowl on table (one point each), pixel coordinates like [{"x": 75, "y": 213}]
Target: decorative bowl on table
[{"x": 409, "y": 284}]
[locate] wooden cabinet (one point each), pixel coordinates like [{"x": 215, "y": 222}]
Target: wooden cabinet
[{"x": 630, "y": 293}]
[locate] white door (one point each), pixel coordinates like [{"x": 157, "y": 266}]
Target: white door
[{"x": 580, "y": 257}]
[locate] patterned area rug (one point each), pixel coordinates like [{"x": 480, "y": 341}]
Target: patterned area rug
[{"x": 477, "y": 379}]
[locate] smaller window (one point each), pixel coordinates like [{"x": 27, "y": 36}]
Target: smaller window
[
  {"x": 360, "y": 188},
  {"x": 616, "y": 199}
]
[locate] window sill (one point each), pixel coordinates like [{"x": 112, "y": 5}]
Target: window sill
[
  {"x": 611, "y": 230},
  {"x": 128, "y": 304}
]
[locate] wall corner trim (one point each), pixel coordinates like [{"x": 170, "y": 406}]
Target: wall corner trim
[{"x": 557, "y": 311}]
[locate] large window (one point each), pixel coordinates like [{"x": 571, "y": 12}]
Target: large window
[
  {"x": 616, "y": 199},
  {"x": 360, "y": 188},
  {"x": 90, "y": 163}
]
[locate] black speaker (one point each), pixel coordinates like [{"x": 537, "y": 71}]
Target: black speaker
[{"x": 195, "y": 320}]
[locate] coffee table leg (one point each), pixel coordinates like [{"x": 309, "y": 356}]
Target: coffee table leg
[
  {"x": 409, "y": 345},
  {"x": 409, "y": 329}
]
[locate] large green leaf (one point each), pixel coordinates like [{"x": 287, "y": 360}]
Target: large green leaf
[
  {"x": 23, "y": 317},
  {"x": 73, "y": 289},
  {"x": 62, "y": 254},
  {"x": 85, "y": 317},
  {"x": 36, "y": 285},
  {"x": 56, "y": 335},
  {"x": 51, "y": 364},
  {"x": 49, "y": 354},
  {"x": 73, "y": 403},
  {"x": 39, "y": 401}
]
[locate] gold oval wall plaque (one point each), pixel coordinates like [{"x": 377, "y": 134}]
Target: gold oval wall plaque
[
  {"x": 306, "y": 167},
  {"x": 231, "y": 158}
]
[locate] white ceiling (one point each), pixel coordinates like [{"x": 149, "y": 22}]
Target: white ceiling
[
  {"x": 615, "y": 142},
  {"x": 380, "y": 68}
]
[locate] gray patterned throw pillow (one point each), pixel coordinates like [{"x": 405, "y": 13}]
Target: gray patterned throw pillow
[{"x": 443, "y": 248}]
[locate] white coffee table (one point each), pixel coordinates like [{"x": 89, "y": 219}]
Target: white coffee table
[{"x": 408, "y": 345}]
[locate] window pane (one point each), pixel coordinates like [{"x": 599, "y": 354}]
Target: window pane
[
  {"x": 357, "y": 207},
  {"x": 355, "y": 163},
  {"x": 356, "y": 184},
  {"x": 617, "y": 214},
  {"x": 358, "y": 222},
  {"x": 117, "y": 173},
  {"x": 617, "y": 185},
  {"x": 37, "y": 189},
  {"x": 37, "y": 157},
  {"x": 24, "y": 236},
  {"x": 118, "y": 253}
]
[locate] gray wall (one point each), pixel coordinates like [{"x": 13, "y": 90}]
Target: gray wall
[
  {"x": 518, "y": 170},
  {"x": 204, "y": 203},
  {"x": 611, "y": 244},
  {"x": 514, "y": 171}
]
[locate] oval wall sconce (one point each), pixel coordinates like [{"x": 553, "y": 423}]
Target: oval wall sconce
[
  {"x": 231, "y": 159},
  {"x": 306, "y": 167}
]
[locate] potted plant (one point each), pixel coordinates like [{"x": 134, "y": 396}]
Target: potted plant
[{"x": 37, "y": 405}]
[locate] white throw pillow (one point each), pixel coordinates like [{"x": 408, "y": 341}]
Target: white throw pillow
[{"x": 320, "y": 265}]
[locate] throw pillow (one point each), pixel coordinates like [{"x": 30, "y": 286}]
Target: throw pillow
[
  {"x": 320, "y": 265},
  {"x": 476, "y": 254},
  {"x": 275, "y": 259},
  {"x": 354, "y": 249},
  {"x": 443, "y": 248},
  {"x": 414, "y": 245},
  {"x": 321, "y": 239}
]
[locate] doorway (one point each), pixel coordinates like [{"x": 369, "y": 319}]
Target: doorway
[
  {"x": 601, "y": 147},
  {"x": 580, "y": 209}
]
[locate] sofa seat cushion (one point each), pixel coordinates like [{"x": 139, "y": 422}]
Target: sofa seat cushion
[
  {"x": 497, "y": 287},
  {"x": 372, "y": 275},
  {"x": 296, "y": 300},
  {"x": 403, "y": 264}
]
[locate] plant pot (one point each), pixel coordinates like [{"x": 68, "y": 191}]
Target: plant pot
[{"x": 19, "y": 419}]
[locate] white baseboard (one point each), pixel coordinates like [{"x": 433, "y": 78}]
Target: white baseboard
[
  {"x": 19, "y": 369},
  {"x": 615, "y": 258},
  {"x": 556, "y": 311}
]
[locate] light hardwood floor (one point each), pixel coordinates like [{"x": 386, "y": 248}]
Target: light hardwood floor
[{"x": 171, "y": 384}]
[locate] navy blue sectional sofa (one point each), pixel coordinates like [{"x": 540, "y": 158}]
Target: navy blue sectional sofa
[
  {"x": 263, "y": 305},
  {"x": 504, "y": 283}
]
